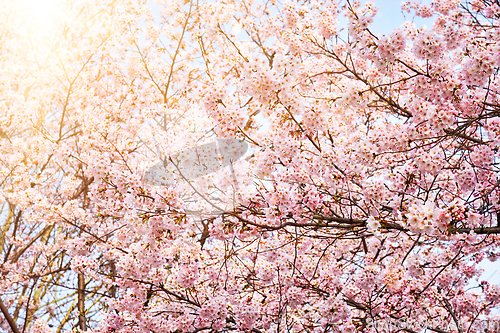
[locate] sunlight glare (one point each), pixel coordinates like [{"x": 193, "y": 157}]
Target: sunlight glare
[{"x": 40, "y": 15}]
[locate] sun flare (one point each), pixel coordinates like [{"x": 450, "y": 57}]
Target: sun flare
[{"x": 40, "y": 16}]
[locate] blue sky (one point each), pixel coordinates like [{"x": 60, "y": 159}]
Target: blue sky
[{"x": 390, "y": 16}]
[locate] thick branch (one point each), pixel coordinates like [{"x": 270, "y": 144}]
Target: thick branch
[
  {"x": 480, "y": 231},
  {"x": 464, "y": 136},
  {"x": 7, "y": 316},
  {"x": 82, "y": 321}
]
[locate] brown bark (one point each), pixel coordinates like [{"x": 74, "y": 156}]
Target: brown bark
[
  {"x": 82, "y": 321},
  {"x": 7, "y": 316}
]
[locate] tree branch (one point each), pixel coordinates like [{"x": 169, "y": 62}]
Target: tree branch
[{"x": 7, "y": 316}]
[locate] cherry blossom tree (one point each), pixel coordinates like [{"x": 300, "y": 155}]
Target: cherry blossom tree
[{"x": 250, "y": 166}]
